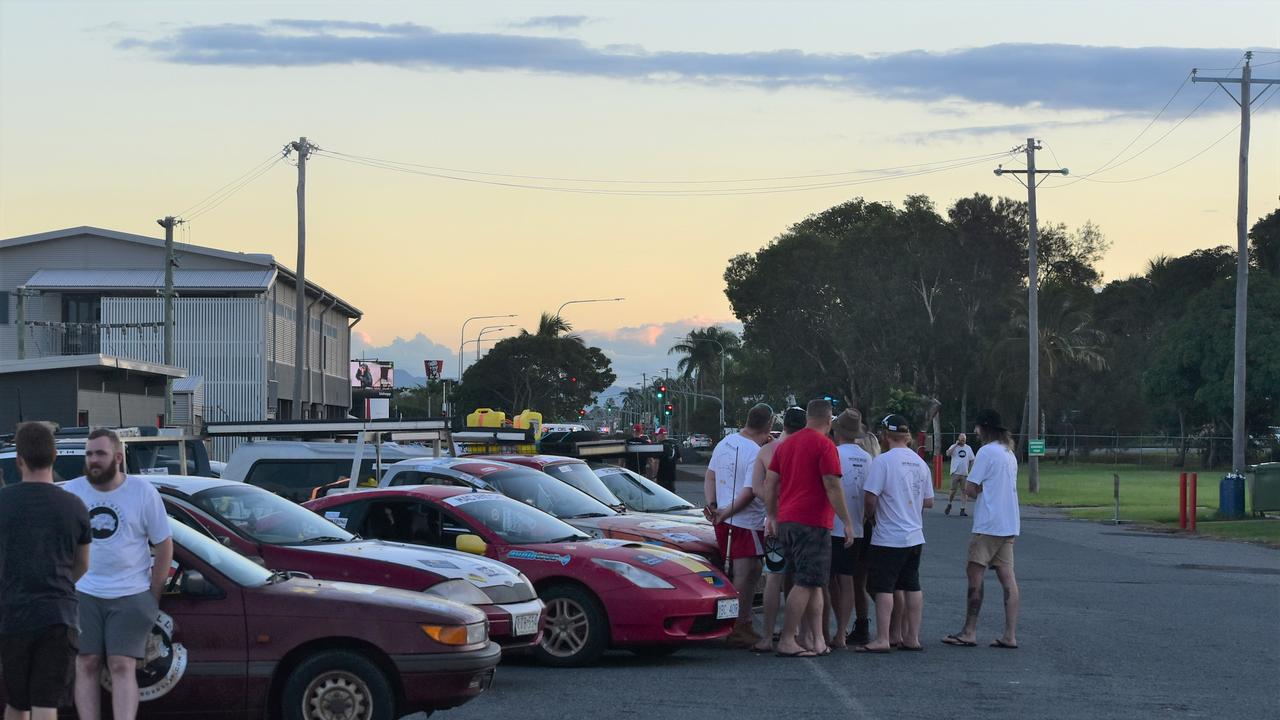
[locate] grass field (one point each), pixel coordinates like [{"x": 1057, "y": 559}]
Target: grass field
[{"x": 1147, "y": 496}]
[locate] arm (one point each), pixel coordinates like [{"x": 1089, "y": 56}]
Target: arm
[
  {"x": 163, "y": 555},
  {"x": 971, "y": 489},
  {"x": 835, "y": 495},
  {"x": 80, "y": 565},
  {"x": 744, "y": 498},
  {"x": 771, "y": 502},
  {"x": 709, "y": 492},
  {"x": 950, "y": 450},
  {"x": 870, "y": 502}
]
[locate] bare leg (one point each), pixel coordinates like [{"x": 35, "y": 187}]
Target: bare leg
[
  {"x": 884, "y": 611},
  {"x": 88, "y": 692},
  {"x": 817, "y": 614},
  {"x": 1012, "y": 600},
  {"x": 829, "y": 594},
  {"x": 12, "y": 713},
  {"x": 748, "y": 570},
  {"x": 124, "y": 687},
  {"x": 794, "y": 611},
  {"x": 844, "y": 592},
  {"x": 896, "y": 619},
  {"x": 973, "y": 605},
  {"x": 912, "y": 618},
  {"x": 772, "y": 599}
]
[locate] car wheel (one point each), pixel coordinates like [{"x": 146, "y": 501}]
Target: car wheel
[
  {"x": 575, "y": 630},
  {"x": 337, "y": 685},
  {"x": 654, "y": 651}
]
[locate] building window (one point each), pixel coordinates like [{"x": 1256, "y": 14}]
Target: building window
[
  {"x": 82, "y": 418},
  {"x": 4, "y": 308}
]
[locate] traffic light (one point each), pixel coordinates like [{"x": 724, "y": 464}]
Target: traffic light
[
  {"x": 581, "y": 412},
  {"x": 662, "y": 391},
  {"x": 668, "y": 408}
]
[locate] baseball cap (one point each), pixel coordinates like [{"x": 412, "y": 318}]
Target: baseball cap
[
  {"x": 896, "y": 423},
  {"x": 990, "y": 419},
  {"x": 794, "y": 418},
  {"x": 774, "y": 560}
]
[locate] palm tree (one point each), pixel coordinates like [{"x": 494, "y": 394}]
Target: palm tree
[
  {"x": 702, "y": 354},
  {"x": 552, "y": 326}
]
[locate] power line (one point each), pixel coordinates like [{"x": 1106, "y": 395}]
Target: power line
[
  {"x": 215, "y": 193},
  {"x": 236, "y": 188}
]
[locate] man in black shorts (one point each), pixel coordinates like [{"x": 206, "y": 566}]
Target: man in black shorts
[{"x": 44, "y": 549}]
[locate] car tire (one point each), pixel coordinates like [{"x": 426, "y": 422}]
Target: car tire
[
  {"x": 337, "y": 685},
  {"x": 654, "y": 651},
  {"x": 575, "y": 630}
]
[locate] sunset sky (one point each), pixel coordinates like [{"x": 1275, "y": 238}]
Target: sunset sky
[{"x": 115, "y": 114}]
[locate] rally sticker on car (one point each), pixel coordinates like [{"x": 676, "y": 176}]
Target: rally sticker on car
[
  {"x": 162, "y": 665},
  {"x": 608, "y": 543},
  {"x": 650, "y": 559},
  {"x": 540, "y": 556},
  {"x": 681, "y": 537},
  {"x": 661, "y": 524},
  {"x": 457, "y": 500},
  {"x": 438, "y": 564}
]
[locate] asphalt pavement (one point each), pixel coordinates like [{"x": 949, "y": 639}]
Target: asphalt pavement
[{"x": 1115, "y": 623}]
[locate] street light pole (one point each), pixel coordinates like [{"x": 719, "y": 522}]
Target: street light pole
[
  {"x": 485, "y": 331},
  {"x": 575, "y": 302},
  {"x": 462, "y": 336}
]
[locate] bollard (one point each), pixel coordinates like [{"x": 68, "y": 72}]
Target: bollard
[
  {"x": 1182, "y": 501},
  {"x": 937, "y": 472},
  {"x": 1116, "y": 477},
  {"x": 1191, "y": 509}
]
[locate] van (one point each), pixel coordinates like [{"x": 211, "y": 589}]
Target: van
[
  {"x": 147, "y": 451},
  {"x": 296, "y": 469}
]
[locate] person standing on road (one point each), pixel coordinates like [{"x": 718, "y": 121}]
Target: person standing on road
[
  {"x": 846, "y": 595},
  {"x": 806, "y": 470},
  {"x": 993, "y": 485},
  {"x": 738, "y": 514},
  {"x": 120, "y": 595},
  {"x": 897, "y": 489},
  {"x": 44, "y": 549},
  {"x": 961, "y": 462},
  {"x": 776, "y": 570}
]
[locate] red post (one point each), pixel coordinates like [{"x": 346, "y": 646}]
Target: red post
[
  {"x": 920, "y": 444},
  {"x": 1191, "y": 510},
  {"x": 937, "y": 472},
  {"x": 1182, "y": 501}
]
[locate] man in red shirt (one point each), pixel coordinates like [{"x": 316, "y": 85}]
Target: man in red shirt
[{"x": 806, "y": 472}]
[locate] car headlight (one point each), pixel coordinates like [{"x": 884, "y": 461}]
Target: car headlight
[
  {"x": 459, "y": 591},
  {"x": 638, "y": 577},
  {"x": 457, "y": 634}
]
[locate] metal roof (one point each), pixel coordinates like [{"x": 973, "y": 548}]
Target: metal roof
[
  {"x": 255, "y": 258},
  {"x": 259, "y": 280},
  {"x": 62, "y": 362},
  {"x": 188, "y": 384}
]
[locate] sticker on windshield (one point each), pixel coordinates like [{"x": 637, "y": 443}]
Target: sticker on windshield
[
  {"x": 661, "y": 524},
  {"x": 681, "y": 537},
  {"x": 457, "y": 500},
  {"x": 564, "y": 469},
  {"x": 541, "y": 556},
  {"x": 609, "y": 471},
  {"x": 163, "y": 665},
  {"x": 609, "y": 543}
]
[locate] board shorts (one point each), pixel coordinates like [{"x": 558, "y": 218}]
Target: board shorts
[
  {"x": 117, "y": 626},
  {"x": 39, "y": 667},
  {"x": 894, "y": 568},
  {"x": 844, "y": 560},
  {"x": 991, "y": 550},
  {"x": 957, "y": 481},
  {"x": 746, "y": 542},
  {"x": 808, "y": 551}
]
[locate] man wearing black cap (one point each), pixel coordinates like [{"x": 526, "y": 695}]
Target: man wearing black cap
[
  {"x": 993, "y": 485},
  {"x": 897, "y": 489}
]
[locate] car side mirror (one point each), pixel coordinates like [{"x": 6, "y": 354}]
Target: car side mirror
[
  {"x": 470, "y": 544},
  {"x": 194, "y": 584}
]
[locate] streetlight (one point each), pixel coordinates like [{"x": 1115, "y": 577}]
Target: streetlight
[
  {"x": 485, "y": 331},
  {"x": 721, "y": 346},
  {"x": 574, "y": 302},
  {"x": 462, "y": 336}
]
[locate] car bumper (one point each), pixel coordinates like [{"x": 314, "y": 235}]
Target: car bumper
[
  {"x": 665, "y": 617},
  {"x": 444, "y": 680},
  {"x": 502, "y": 624}
]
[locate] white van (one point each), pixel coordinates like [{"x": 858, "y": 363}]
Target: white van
[{"x": 295, "y": 469}]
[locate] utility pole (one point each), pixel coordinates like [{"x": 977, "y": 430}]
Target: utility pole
[
  {"x": 1033, "y": 306},
  {"x": 1239, "y": 432},
  {"x": 168, "y": 222},
  {"x": 303, "y": 149}
]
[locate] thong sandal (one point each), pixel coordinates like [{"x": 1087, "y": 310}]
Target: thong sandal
[
  {"x": 800, "y": 654},
  {"x": 871, "y": 651},
  {"x": 956, "y": 641},
  {"x": 1002, "y": 644}
]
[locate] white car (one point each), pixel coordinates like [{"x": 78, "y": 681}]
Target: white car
[{"x": 698, "y": 441}]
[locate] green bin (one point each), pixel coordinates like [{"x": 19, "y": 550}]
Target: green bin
[{"x": 1265, "y": 487}]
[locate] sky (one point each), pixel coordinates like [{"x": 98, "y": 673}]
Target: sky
[{"x": 506, "y": 157}]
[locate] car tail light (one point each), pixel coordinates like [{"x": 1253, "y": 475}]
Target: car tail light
[{"x": 456, "y": 634}]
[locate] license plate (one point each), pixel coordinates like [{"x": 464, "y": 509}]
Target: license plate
[
  {"x": 527, "y": 624},
  {"x": 726, "y": 609}
]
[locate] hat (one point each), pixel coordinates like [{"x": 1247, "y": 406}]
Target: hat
[
  {"x": 848, "y": 424},
  {"x": 774, "y": 560},
  {"x": 794, "y": 418},
  {"x": 990, "y": 419},
  {"x": 896, "y": 423}
]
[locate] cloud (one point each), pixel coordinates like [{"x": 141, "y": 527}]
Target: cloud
[
  {"x": 1054, "y": 76},
  {"x": 642, "y": 349},
  {"x": 408, "y": 354},
  {"x": 553, "y": 22},
  {"x": 1015, "y": 129}
]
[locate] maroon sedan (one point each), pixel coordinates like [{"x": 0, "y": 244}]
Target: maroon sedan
[{"x": 235, "y": 640}]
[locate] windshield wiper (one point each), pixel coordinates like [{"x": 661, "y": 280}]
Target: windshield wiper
[
  {"x": 570, "y": 538},
  {"x": 673, "y": 508},
  {"x": 588, "y": 515},
  {"x": 322, "y": 539},
  {"x": 278, "y": 576}
]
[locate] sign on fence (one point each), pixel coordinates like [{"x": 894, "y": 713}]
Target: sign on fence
[{"x": 1035, "y": 448}]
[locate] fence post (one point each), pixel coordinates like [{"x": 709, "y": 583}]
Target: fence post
[
  {"x": 1116, "y": 478},
  {"x": 1182, "y": 501},
  {"x": 1192, "y": 501}
]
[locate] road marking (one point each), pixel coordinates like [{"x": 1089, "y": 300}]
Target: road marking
[{"x": 850, "y": 702}]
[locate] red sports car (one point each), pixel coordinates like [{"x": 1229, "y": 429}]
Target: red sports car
[
  {"x": 236, "y": 641},
  {"x": 524, "y": 482},
  {"x": 599, "y": 593},
  {"x": 283, "y": 536}
]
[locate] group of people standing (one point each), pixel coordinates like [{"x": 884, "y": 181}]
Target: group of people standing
[
  {"x": 833, "y": 514},
  {"x": 82, "y": 567}
]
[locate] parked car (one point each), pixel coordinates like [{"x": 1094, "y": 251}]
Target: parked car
[
  {"x": 557, "y": 499},
  {"x": 295, "y": 469},
  {"x": 570, "y": 471},
  {"x": 236, "y": 640},
  {"x": 286, "y": 537},
  {"x": 698, "y": 441},
  {"x": 146, "y": 451},
  {"x": 640, "y": 494},
  {"x": 599, "y": 593}
]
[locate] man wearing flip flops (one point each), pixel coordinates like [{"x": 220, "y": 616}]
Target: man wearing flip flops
[{"x": 992, "y": 483}]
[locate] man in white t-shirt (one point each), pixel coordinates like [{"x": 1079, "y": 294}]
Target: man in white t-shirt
[
  {"x": 120, "y": 594},
  {"x": 738, "y": 514},
  {"x": 993, "y": 485},
  {"x": 848, "y": 595},
  {"x": 961, "y": 461},
  {"x": 898, "y": 487}
]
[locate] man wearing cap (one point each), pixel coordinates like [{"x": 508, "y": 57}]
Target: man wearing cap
[
  {"x": 961, "y": 463},
  {"x": 897, "y": 489},
  {"x": 993, "y": 485},
  {"x": 847, "y": 594},
  {"x": 776, "y": 570}
]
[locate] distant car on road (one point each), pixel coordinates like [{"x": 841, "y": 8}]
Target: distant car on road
[
  {"x": 698, "y": 441},
  {"x": 599, "y": 593}
]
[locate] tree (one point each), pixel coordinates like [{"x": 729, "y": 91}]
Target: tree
[{"x": 1264, "y": 246}]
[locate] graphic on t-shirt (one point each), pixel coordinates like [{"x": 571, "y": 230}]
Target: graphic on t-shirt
[
  {"x": 961, "y": 453},
  {"x": 104, "y": 521}
]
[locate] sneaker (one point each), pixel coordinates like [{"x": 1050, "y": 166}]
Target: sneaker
[
  {"x": 963, "y": 513},
  {"x": 742, "y": 636},
  {"x": 948, "y": 510},
  {"x": 861, "y": 634}
]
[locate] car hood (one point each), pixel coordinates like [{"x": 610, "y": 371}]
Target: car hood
[
  {"x": 451, "y": 564},
  {"x": 656, "y": 559},
  {"x": 698, "y": 539},
  {"x": 346, "y": 602}
]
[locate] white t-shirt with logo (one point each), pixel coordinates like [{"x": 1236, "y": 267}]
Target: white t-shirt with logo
[
  {"x": 901, "y": 480},
  {"x": 124, "y": 523},
  {"x": 854, "y": 463},
  {"x": 996, "y": 510},
  {"x": 731, "y": 462},
  {"x": 960, "y": 457}
]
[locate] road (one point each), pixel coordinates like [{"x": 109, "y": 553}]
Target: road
[{"x": 1115, "y": 624}]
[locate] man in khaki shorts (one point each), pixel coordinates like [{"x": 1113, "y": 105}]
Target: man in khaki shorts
[
  {"x": 961, "y": 463},
  {"x": 992, "y": 483}
]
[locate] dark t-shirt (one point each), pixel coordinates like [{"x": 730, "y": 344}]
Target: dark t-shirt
[
  {"x": 40, "y": 526},
  {"x": 801, "y": 462}
]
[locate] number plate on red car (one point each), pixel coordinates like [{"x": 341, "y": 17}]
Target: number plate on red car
[
  {"x": 526, "y": 624},
  {"x": 726, "y": 609}
]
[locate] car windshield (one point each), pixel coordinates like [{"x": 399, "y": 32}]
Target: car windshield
[
  {"x": 513, "y": 521},
  {"x": 550, "y": 496},
  {"x": 638, "y": 492},
  {"x": 240, "y": 569},
  {"x": 65, "y": 467},
  {"x": 579, "y": 475},
  {"x": 268, "y": 518}
]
